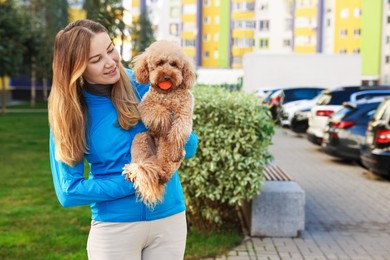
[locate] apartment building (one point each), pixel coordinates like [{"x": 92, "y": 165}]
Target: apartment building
[
  {"x": 307, "y": 26},
  {"x": 274, "y": 24},
  {"x": 243, "y": 30},
  {"x": 342, "y": 26}
]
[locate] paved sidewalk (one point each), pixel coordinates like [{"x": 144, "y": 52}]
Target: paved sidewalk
[{"x": 347, "y": 209}]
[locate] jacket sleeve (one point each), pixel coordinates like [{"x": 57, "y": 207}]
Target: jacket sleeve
[
  {"x": 73, "y": 189},
  {"x": 191, "y": 145}
]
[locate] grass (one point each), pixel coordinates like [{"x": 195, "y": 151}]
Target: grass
[
  {"x": 33, "y": 225},
  {"x": 27, "y": 105}
]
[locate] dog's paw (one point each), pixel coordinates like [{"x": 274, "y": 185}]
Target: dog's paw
[
  {"x": 159, "y": 121},
  {"x": 176, "y": 155}
]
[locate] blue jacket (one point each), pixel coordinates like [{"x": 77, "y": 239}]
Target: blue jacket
[{"x": 109, "y": 195}]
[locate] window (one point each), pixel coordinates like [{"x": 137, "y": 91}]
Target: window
[
  {"x": 302, "y": 22},
  {"x": 344, "y": 13},
  {"x": 243, "y": 42},
  {"x": 206, "y": 20},
  {"x": 356, "y": 51},
  {"x": 388, "y": 19},
  {"x": 216, "y": 54},
  {"x": 343, "y": 33},
  {"x": 387, "y": 59},
  {"x": 206, "y": 54},
  {"x": 288, "y": 24},
  {"x": 174, "y": 29},
  {"x": 189, "y": 9},
  {"x": 206, "y": 37},
  {"x": 237, "y": 60},
  {"x": 263, "y": 25},
  {"x": 286, "y": 43},
  {"x": 175, "y": 12},
  {"x": 263, "y": 43},
  {"x": 357, "y": 12},
  {"x": 244, "y": 25},
  {"x": 189, "y": 43},
  {"x": 188, "y": 27},
  {"x": 356, "y": 32}
]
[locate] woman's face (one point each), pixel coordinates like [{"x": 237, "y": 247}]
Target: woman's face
[{"x": 103, "y": 61}]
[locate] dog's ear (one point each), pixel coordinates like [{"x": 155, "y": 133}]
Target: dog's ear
[
  {"x": 188, "y": 73},
  {"x": 140, "y": 68}
]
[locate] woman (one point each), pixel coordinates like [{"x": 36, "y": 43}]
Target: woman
[{"x": 93, "y": 116}]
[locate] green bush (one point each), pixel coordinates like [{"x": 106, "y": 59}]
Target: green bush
[{"x": 234, "y": 132}]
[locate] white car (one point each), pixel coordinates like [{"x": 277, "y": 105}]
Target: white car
[
  {"x": 331, "y": 101},
  {"x": 291, "y": 108}
]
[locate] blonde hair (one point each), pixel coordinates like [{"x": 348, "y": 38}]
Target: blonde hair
[{"x": 67, "y": 107}]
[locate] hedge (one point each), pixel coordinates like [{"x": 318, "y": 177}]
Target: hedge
[{"x": 234, "y": 133}]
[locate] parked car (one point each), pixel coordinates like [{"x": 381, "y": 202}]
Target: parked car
[
  {"x": 286, "y": 95},
  {"x": 263, "y": 92},
  {"x": 288, "y": 110},
  {"x": 299, "y": 121},
  {"x": 346, "y": 129},
  {"x": 331, "y": 101},
  {"x": 375, "y": 152}
]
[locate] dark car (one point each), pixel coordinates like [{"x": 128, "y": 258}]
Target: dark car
[
  {"x": 375, "y": 152},
  {"x": 285, "y": 95},
  {"x": 346, "y": 129},
  {"x": 300, "y": 121}
]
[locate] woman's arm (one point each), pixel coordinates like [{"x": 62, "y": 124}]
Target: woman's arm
[
  {"x": 73, "y": 189},
  {"x": 191, "y": 145}
]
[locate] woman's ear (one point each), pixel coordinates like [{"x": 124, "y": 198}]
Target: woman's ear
[
  {"x": 140, "y": 68},
  {"x": 188, "y": 73}
]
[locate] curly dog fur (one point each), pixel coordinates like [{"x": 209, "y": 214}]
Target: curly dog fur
[{"x": 158, "y": 153}]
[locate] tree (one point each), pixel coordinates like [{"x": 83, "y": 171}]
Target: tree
[
  {"x": 46, "y": 18},
  {"x": 142, "y": 33},
  {"x": 55, "y": 18},
  {"x": 107, "y": 12},
  {"x": 11, "y": 44}
]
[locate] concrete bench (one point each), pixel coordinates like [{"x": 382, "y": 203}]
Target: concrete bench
[{"x": 279, "y": 210}]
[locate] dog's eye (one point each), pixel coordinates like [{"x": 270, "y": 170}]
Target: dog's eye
[
  {"x": 160, "y": 63},
  {"x": 173, "y": 64}
]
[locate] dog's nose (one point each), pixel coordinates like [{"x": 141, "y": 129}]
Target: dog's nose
[{"x": 167, "y": 78}]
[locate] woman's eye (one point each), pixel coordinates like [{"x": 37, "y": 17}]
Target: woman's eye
[
  {"x": 111, "y": 50},
  {"x": 96, "y": 60}
]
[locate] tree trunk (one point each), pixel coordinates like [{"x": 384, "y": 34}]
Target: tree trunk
[
  {"x": 3, "y": 95},
  {"x": 45, "y": 89},
  {"x": 33, "y": 82}
]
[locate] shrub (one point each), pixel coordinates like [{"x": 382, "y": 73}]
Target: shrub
[{"x": 234, "y": 132}]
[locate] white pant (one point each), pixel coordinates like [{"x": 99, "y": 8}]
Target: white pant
[{"x": 162, "y": 239}]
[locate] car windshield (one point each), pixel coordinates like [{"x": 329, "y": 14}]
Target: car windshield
[
  {"x": 342, "y": 112},
  {"x": 333, "y": 98},
  {"x": 299, "y": 94},
  {"x": 383, "y": 111}
]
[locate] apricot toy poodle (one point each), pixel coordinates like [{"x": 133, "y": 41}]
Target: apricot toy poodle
[{"x": 166, "y": 110}]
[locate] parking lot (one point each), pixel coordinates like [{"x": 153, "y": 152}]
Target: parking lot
[{"x": 347, "y": 209}]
